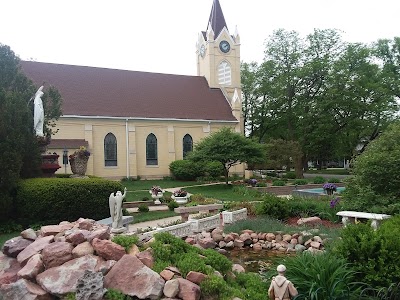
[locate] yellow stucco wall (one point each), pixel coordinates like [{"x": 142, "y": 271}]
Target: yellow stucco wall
[{"x": 169, "y": 143}]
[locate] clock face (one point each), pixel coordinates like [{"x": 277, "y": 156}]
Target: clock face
[
  {"x": 224, "y": 46},
  {"x": 202, "y": 50}
]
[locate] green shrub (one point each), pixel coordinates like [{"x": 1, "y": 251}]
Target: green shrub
[
  {"x": 372, "y": 252},
  {"x": 10, "y": 227},
  {"x": 145, "y": 199},
  {"x": 213, "y": 169},
  {"x": 319, "y": 180},
  {"x": 126, "y": 241},
  {"x": 191, "y": 261},
  {"x": 172, "y": 205},
  {"x": 217, "y": 261},
  {"x": 215, "y": 287},
  {"x": 290, "y": 175},
  {"x": 255, "y": 288},
  {"x": 61, "y": 199},
  {"x": 273, "y": 206},
  {"x": 300, "y": 181},
  {"x": 278, "y": 183},
  {"x": 185, "y": 169},
  {"x": 322, "y": 276},
  {"x": 334, "y": 180},
  {"x": 143, "y": 208}
]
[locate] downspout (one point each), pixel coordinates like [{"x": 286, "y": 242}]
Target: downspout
[{"x": 127, "y": 148}]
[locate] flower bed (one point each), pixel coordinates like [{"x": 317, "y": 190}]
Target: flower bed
[{"x": 229, "y": 217}]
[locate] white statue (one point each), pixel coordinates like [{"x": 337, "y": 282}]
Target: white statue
[
  {"x": 38, "y": 115},
  {"x": 115, "y": 203}
]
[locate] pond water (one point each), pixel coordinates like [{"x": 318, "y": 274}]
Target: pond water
[{"x": 256, "y": 261}]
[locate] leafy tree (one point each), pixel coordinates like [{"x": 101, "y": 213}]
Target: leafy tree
[
  {"x": 375, "y": 185},
  {"x": 228, "y": 148},
  {"x": 18, "y": 144}
]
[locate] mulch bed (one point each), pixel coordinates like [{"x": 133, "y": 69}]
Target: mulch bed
[{"x": 293, "y": 222}]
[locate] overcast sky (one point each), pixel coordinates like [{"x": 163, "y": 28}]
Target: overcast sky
[{"x": 160, "y": 35}]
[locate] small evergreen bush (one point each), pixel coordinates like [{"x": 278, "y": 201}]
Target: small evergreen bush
[
  {"x": 278, "y": 183},
  {"x": 319, "y": 180},
  {"x": 185, "y": 169},
  {"x": 300, "y": 181},
  {"x": 273, "y": 206},
  {"x": 172, "y": 205},
  {"x": 143, "y": 208},
  {"x": 290, "y": 175}
]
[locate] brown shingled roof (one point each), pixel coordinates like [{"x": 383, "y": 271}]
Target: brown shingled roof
[
  {"x": 67, "y": 143},
  {"x": 89, "y": 91}
]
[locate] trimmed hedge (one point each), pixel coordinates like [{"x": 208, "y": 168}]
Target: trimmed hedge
[{"x": 63, "y": 199}]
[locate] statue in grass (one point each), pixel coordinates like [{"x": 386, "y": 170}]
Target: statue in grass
[
  {"x": 115, "y": 203},
  {"x": 38, "y": 114},
  {"x": 281, "y": 288}
]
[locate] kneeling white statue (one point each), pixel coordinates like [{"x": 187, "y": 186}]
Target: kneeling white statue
[{"x": 115, "y": 203}]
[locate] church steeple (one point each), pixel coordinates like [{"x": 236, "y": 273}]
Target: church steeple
[
  {"x": 218, "y": 59},
  {"x": 216, "y": 20}
]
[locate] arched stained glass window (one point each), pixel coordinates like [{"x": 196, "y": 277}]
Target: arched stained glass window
[
  {"x": 110, "y": 150},
  {"x": 187, "y": 144},
  {"x": 151, "y": 150}
]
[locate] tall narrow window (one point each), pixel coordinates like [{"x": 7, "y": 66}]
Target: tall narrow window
[
  {"x": 151, "y": 150},
  {"x": 187, "y": 145},
  {"x": 224, "y": 73},
  {"x": 110, "y": 150}
]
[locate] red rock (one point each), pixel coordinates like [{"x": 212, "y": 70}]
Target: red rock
[
  {"x": 309, "y": 221},
  {"x": 9, "y": 267},
  {"x": 167, "y": 274},
  {"x": 207, "y": 243},
  {"x": 286, "y": 237},
  {"x": 29, "y": 234},
  {"x": 14, "y": 246},
  {"x": 108, "y": 249},
  {"x": 190, "y": 241},
  {"x": 51, "y": 230},
  {"x": 171, "y": 288},
  {"x": 188, "y": 290},
  {"x": 57, "y": 253},
  {"x": 247, "y": 231},
  {"x": 315, "y": 245},
  {"x": 133, "y": 278},
  {"x": 270, "y": 237},
  {"x": 246, "y": 238},
  {"x": 63, "y": 279},
  {"x": 146, "y": 257},
  {"x": 23, "y": 289},
  {"x": 228, "y": 238},
  {"x": 76, "y": 238},
  {"x": 102, "y": 234},
  {"x": 86, "y": 224},
  {"x": 82, "y": 249},
  {"x": 238, "y": 243},
  {"x": 196, "y": 277},
  {"x": 34, "y": 248},
  {"x": 257, "y": 247},
  {"x": 133, "y": 250},
  {"x": 33, "y": 267}
]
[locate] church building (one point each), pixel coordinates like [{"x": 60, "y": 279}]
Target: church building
[{"x": 137, "y": 123}]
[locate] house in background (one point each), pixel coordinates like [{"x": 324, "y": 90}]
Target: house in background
[{"x": 137, "y": 123}]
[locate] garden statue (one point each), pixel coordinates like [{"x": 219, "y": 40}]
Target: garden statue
[
  {"x": 38, "y": 114},
  {"x": 115, "y": 203},
  {"x": 281, "y": 288}
]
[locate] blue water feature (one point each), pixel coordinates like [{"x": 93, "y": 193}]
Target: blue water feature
[{"x": 315, "y": 192}]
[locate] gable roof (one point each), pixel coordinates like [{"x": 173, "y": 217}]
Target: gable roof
[
  {"x": 217, "y": 19},
  {"x": 100, "y": 92}
]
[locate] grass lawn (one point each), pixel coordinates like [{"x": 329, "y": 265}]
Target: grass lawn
[
  {"x": 145, "y": 185},
  {"x": 225, "y": 192},
  {"x": 6, "y": 236},
  {"x": 152, "y": 215}
]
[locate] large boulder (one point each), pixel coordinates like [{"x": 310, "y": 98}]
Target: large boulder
[
  {"x": 33, "y": 249},
  {"x": 82, "y": 249},
  {"x": 133, "y": 278},
  {"x": 90, "y": 286},
  {"x": 9, "y": 267},
  {"x": 29, "y": 234},
  {"x": 14, "y": 246},
  {"x": 33, "y": 267},
  {"x": 108, "y": 249},
  {"x": 63, "y": 279},
  {"x": 23, "y": 290},
  {"x": 146, "y": 257},
  {"x": 57, "y": 253},
  {"x": 188, "y": 290}
]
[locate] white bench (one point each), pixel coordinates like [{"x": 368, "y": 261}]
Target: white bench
[
  {"x": 352, "y": 216},
  {"x": 126, "y": 220}
]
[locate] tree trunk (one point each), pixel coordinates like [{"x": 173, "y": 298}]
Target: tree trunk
[
  {"x": 298, "y": 167},
  {"x": 226, "y": 173}
]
